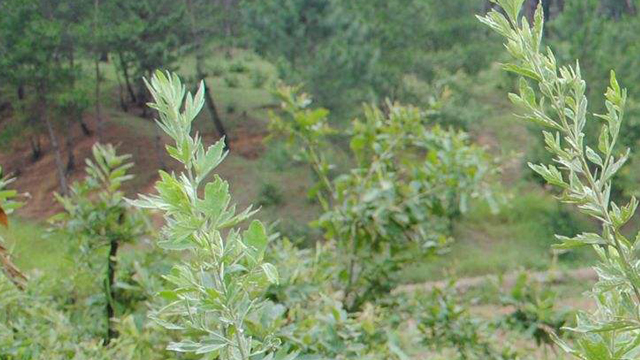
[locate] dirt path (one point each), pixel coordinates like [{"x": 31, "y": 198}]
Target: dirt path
[{"x": 464, "y": 284}]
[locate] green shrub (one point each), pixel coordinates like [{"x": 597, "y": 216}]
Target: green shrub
[
  {"x": 218, "y": 69},
  {"x": 232, "y": 81},
  {"x": 269, "y": 195},
  {"x": 445, "y": 323},
  {"x": 231, "y": 108},
  {"x": 317, "y": 324},
  {"x": 96, "y": 217},
  {"x": 535, "y": 311},
  {"x": 258, "y": 78},
  {"x": 277, "y": 157},
  {"x": 409, "y": 183},
  {"x": 238, "y": 67}
]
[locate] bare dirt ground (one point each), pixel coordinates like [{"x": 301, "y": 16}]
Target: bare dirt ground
[
  {"x": 40, "y": 180},
  {"x": 509, "y": 280}
]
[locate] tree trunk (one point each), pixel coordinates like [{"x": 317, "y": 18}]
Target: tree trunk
[
  {"x": 201, "y": 74},
  {"x": 123, "y": 103},
  {"x": 631, "y": 7},
  {"x": 36, "y": 148},
  {"x": 84, "y": 127},
  {"x": 54, "y": 140},
  {"x": 111, "y": 272},
  {"x": 215, "y": 117},
  {"x": 20, "y": 92},
  {"x": 58, "y": 158},
  {"x": 127, "y": 80},
  {"x": 98, "y": 104},
  {"x": 71, "y": 161},
  {"x": 143, "y": 97},
  {"x": 227, "y": 19}
]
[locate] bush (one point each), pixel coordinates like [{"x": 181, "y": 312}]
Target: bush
[
  {"x": 409, "y": 183},
  {"x": 269, "y": 195},
  {"x": 232, "y": 81},
  {"x": 218, "y": 69},
  {"x": 258, "y": 78},
  {"x": 238, "y": 67}
]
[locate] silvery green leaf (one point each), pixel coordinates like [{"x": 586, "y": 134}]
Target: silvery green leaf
[
  {"x": 593, "y": 156},
  {"x": 256, "y": 240},
  {"x": 579, "y": 241},
  {"x": 271, "y": 272}
]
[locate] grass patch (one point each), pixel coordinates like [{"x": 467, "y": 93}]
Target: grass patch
[
  {"x": 34, "y": 248},
  {"x": 520, "y": 236}
]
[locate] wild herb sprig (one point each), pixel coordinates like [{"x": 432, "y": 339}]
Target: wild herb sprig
[
  {"x": 216, "y": 298},
  {"x": 584, "y": 174}
]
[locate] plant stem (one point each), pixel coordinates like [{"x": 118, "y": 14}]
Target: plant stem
[{"x": 111, "y": 270}]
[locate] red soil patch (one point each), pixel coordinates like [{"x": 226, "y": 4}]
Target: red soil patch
[{"x": 39, "y": 178}]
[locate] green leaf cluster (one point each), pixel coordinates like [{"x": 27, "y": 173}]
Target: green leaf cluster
[
  {"x": 409, "y": 182},
  {"x": 217, "y": 291},
  {"x": 584, "y": 173}
]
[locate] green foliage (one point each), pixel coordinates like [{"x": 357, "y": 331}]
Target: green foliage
[
  {"x": 57, "y": 317},
  {"x": 232, "y": 81},
  {"x": 231, "y": 108},
  {"x": 597, "y": 33},
  {"x": 95, "y": 211},
  {"x": 238, "y": 67},
  {"x": 37, "y": 326},
  {"x": 32, "y": 328},
  {"x": 96, "y": 217},
  {"x": 446, "y": 323},
  {"x": 144, "y": 34},
  {"x": 258, "y": 78},
  {"x": 31, "y": 43},
  {"x": 348, "y": 52},
  {"x": 215, "y": 301},
  {"x": 317, "y": 324},
  {"x": 584, "y": 174},
  {"x": 8, "y": 198},
  {"x": 320, "y": 42},
  {"x": 218, "y": 69},
  {"x": 409, "y": 183},
  {"x": 535, "y": 311},
  {"x": 269, "y": 195}
]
